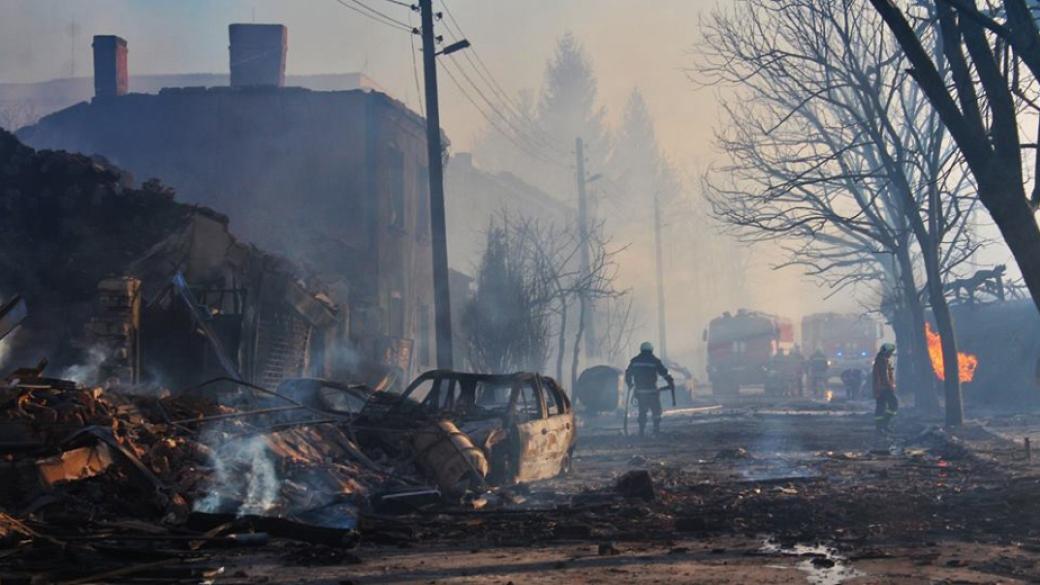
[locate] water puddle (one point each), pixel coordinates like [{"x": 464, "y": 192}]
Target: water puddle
[{"x": 822, "y": 564}]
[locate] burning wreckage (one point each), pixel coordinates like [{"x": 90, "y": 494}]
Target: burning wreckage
[{"x": 103, "y": 454}]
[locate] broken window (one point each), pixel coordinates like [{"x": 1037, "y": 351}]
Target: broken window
[
  {"x": 493, "y": 397},
  {"x": 421, "y": 391},
  {"x": 528, "y": 404},
  {"x": 555, "y": 403}
]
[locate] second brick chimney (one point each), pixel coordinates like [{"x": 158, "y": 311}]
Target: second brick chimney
[
  {"x": 257, "y": 54},
  {"x": 110, "y": 73}
]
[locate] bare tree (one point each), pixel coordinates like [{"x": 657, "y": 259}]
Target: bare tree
[
  {"x": 987, "y": 105},
  {"x": 619, "y": 326},
  {"x": 832, "y": 153},
  {"x": 528, "y": 281},
  {"x": 593, "y": 284},
  {"x": 506, "y": 323}
]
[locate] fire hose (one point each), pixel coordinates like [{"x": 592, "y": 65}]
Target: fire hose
[{"x": 630, "y": 395}]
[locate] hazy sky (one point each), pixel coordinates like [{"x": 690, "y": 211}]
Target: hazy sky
[{"x": 633, "y": 43}]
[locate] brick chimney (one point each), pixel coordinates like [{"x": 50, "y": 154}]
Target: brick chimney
[
  {"x": 257, "y": 54},
  {"x": 110, "y": 74}
]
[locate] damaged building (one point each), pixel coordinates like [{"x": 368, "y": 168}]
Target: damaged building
[
  {"x": 335, "y": 181},
  {"x": 477, "y": 197},
  {"x": 126, "y": 284}
]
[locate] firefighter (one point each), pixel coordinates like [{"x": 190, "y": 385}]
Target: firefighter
[
  {"x": 641, "y": 376},
  {"x": 852, "y": 378},
  {"x": 884, "y": 382},
  {"x": 817, "y": 372},
  {"x": 798, "y": 365},
  {"x": 776, "y": 372}
]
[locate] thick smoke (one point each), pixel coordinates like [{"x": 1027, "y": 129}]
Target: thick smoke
[
  {"x": 88, "y": 372},
  {"x": 244, "y": 479}
]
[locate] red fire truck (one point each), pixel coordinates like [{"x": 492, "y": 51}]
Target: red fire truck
[
  {"x": 740, "y": 346},
  {"x": 848, "y": 341}
]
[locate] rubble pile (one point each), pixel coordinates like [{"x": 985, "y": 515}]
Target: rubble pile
[
  {"x": 68, "y": 221},
  {"x": 101, "y": 466}
]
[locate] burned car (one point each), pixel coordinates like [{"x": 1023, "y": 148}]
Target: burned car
[{"x": 467, "y": 427}]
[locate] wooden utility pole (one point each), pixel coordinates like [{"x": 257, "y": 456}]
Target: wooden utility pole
[
  {"x": 662, "y": 332},
  {"x": 583, "y": 233},
  {"x": 438, "y": 228}
]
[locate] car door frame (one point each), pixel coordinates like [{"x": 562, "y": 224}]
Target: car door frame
[{"x": 541, "y": 452}]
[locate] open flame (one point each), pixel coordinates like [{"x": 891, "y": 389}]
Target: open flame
[
  {"x": 966, "y": 362},
  {"x": 828, "y": 396}
]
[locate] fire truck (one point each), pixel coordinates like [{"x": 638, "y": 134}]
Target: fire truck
[
  {"x": 740, "y": 346},
  {"x": 848, "y": 340}
]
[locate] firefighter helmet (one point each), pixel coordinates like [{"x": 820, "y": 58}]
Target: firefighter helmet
[{"x": 646, "y": 346}]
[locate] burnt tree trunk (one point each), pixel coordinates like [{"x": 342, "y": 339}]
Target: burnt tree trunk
[
  {"x": 951, "y": 365},
  {"x": 576, "y": 351},
  {"x": 561, "y": 342},
  {"x": 947, "y": 333},
  {"x": 913, "y": 350}
]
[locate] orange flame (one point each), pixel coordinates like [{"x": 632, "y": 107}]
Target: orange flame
[{"x": 966, "y": 362}]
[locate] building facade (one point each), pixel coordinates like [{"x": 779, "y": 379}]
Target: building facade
[{"x": 336, "y": 181}]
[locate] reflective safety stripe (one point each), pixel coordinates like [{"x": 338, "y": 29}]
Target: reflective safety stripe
[{"x": 642, "y": 365}]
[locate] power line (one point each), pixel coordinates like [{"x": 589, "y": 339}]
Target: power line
[
  {"x": 494, "y": 124},
  {"x": 485, "y": 74},
  {"x": 399, "y": 3},
  {"x": 376, "y": 15},
  {"x": 514, "y": 112},
  {"x": 379, "y": 13},
  {"x": 504, "y": 117},
  {"x": 415, "y": 71}
]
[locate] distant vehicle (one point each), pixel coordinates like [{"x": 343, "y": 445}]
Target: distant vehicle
[
  {"x": 740, "y": 346},
  {"x": 847, "y": 340},
  {"x": 600, "y": 389}
]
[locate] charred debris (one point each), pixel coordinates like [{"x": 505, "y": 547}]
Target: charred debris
[{"x": 173, "y": 395}]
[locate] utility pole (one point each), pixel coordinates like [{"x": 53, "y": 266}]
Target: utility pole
[
  {"x": 661, "y": 331},
  {"x": 583, "y": 234},
  {"x": 438, "y": 227}
]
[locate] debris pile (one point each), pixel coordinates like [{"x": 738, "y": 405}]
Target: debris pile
[
  {"x": 88, "y": 467},
  {"x": 229, "y": 463}
]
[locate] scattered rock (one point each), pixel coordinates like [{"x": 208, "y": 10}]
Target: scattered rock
[
  {"x": 731, "y": 454},
  {"x": 637, "y": 484},
  {"x": 822, "y": 562}
]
